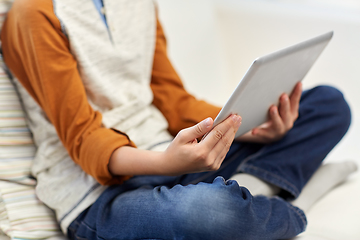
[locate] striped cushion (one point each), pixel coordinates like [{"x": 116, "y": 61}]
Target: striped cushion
[
  {"x": 16, "y": 145},
  {"x": 22, "y": 214}
]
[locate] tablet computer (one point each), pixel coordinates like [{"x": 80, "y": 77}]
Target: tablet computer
[{"x": 267, "y": 78}]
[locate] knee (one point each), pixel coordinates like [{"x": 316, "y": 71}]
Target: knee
[
  {"x": 208, "y": 210},
  {"x": 332, "y": 104},
  {"x": 334, "y": 98},
  {"x": 328, "y": 92},
  {"x": 223, "y": 210}
]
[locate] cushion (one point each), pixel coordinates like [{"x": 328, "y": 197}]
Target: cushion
[
  {"x": 22, "y": 214},
  {"x": 16, "y": 146}
]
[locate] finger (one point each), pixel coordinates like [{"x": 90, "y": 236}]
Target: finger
[
  {"x": 220, "y": 158},
  {"x": 220, "y": 150},
  {"x": 217, "y": 157},
  {"x": 264, "y": 134},
  {"x": 191, "y": 133},
  {"x": 231, "y": 124},
  {"x": 265, "y": 125},
  {"x": 270, "y": 131},
  {"x": 295, "y": 98},
  {"x": 285, "y": 111},
  {"x": 277, "y": 124}
]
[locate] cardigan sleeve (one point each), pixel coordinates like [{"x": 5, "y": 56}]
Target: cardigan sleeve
[
  {"x": 180, "y": 109},
  {"x": 37, "y": 53}
]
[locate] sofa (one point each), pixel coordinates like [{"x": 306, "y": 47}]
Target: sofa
[{"x": 213, "y": 42}]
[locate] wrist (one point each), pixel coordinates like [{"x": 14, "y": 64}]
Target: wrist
[{"x": 132, "y": 161}]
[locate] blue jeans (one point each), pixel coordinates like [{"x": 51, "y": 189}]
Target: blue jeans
[{"x": 207, "y": 206}]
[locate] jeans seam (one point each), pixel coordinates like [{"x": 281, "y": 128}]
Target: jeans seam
[
  {"x": 72, "y": 228},
  {"x": 80, "y": 238},
  {"x": 87, "y": 227},
  {"x": 300, "y": 214},
  {"x": 288, "y": 186}
]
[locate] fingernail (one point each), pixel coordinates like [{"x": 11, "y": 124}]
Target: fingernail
[
  {"x": 234, "y": 117},
  {"x": 207, "y": 122},
  {"x": 238, "y": 123},
  {"x": 237, "y": 119},
  {"x": 273, "y": 111}
]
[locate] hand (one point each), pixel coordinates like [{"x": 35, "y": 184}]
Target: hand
[
  {"x": 186, "y": 155},
  {"x": 281, "y": 119}
]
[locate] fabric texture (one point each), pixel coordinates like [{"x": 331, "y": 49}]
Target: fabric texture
[
  {"x": 22, "y": 214},
  {"x": 17, "y": 149}
]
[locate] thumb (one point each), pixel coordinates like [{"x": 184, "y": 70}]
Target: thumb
[{"x": 191, "y": 133}]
